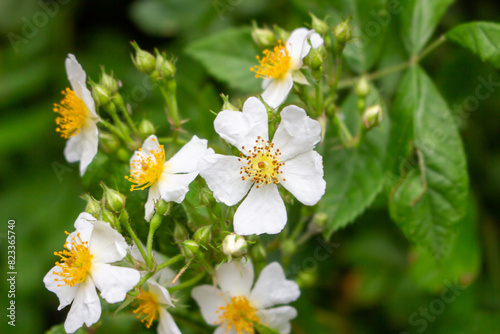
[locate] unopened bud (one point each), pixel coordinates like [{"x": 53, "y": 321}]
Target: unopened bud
[
  {"x": 190, "y": 248},
  {"x": 109, "y": 141},
  {"x": 93, "y": 206},
  {"x": 110, "y": 83},
  {"x": 318, "y": 223},
  {"x": 164, "y": 66},
  {"x": 362, "y": 88},
  {"x": 227, "y": 105},
  {"x": 307, "y": 278},
  {"x": 372, "y": 116},
  {"x": 289, "y": 247},
  {"x": 343, "y": 32},
  {"x": 146, "y": 128},
  {"x": 180, "y": 232},
  {"x": 101, "y": 94},
  {"x": 114, "y": 200},
  {"x": 110, "y": 218},
  {"x": 315, "y": 57},
  {"x": 163, "y": 208},
  {"x": 320, "y": 26},
  {"x": 234, "y": 245},
  {"x": 263, "y": 37},
  {"x": 203, "y": 235},
  {"x": 143, "y": 60}
]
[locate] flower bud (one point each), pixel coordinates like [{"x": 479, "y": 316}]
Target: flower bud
[
  {"x": 109, "y": 141},
  {"x": 320, "y": 26},
  {"x": 318, "y": 223},
  {"x": 315, "y": 57},
  {"x": 263, "y": 37},
  {"x": 234, "y": 245},
  {"x": 289, "y": 247},
  {"x": 203, "y": 235},
  {"x": 163, "y": 208},
  {"x": 93, "y": 206},
  {"x": 101, "y": 94},
  {"x": 164, "y": 66},
  {"x": 307, "y": 278},
  {"x": 362, "y": 88},
  {"x": 372, "y": 116},
  {"x": 180, "y": 232},
  {"x": 110, "y": 83},
  {"x": 190, "y": 248},
  {"x": 114, "y": 200},
  {"x": 227, "y": 105},
  {"x": 110, "y": 218},
  {"x": 146, "y": 128},
  {"x": 143, "y": 60},
  {"x": 343, "y": 32}
]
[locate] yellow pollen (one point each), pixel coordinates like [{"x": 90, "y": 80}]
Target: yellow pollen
[
  {"x": 147, "y": 311},
  {"x": 146, "y": 170},
  {"x": 262, "y": 163},
  {"x": 72, "y": 111},
  {"x": 75, "y": 262},
  {"x": 238, "y": 314},
  {"x": 275, "y": 64}
]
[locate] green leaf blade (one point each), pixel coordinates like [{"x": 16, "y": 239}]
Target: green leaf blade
[{"x": 481, "y": 38}]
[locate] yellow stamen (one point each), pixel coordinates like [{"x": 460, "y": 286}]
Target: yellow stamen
[
  {"x": 238, "y": 314},
  {"x": 75, "y": 262},
  {"x": 147, "y": 311},
  {"x": 275, "y": 64},
  {"x": 146, "y": 170},
  {"x": 72, "y": 112},
  {"x": 262, "y": 163}
]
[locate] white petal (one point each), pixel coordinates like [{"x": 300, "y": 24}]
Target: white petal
[
  {"x": 297, "y": 133},
  {"x": 298, "y": 47},
  {"x": 186, "y": 160},
  {"x": 166, "y": 323},
  {"x": 86, "y": 307},
  {"x": 106, "y": 244},
  {"x": 277, "y": 90},
  {"x": 84, "y": 225},
  {"x": 242, "y": 128},
  {"x": 272, "y": 288},
  {"x": 209, "y": 298},
  {"x": 278, "y": 318},
  {"x": 86, "y": 97},
  {"x": 262, "y": 211},
  {"x": 65, "y": 293},
  {"x": 222, "y": 174},
  {"x": 303, "y": 177},
  {"x": 160, "y": 292},
  {"x": 83, "y": 146},
  {"x": 235, "y": 278},
  {"x": 75, "y": 74},
  {"x": 150, "y": 144},
  {"x": 173, "y": 187},
  {"x": 114, "y": 282},
  {"x": 153, "y": 196},
  {"x": 316, "y": 40}
]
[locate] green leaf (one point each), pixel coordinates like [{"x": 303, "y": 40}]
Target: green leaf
[
  {"x": 354, "y": 176},
  {"x": 419, "y": 20},
  {"x": 482, "y": 38},
  {"x": 430, "y": 195},
  {"x": 463, "y": 263},
  {"x": 263, "y": 329},
  {"x": 228, "y": 56}
]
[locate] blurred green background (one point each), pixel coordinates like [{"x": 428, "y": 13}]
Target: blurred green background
[{"x": 373, "y": 282}]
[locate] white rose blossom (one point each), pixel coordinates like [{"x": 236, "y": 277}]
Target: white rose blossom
[
  {"x": 288, "y": 160},
  {"x": 77, "y": 117},
  {"x": 85, "y": 265},
  {"x": 166, "y": 180},
  {"x": 281, "y": 67},
  {"x": 235, "y": 305}
]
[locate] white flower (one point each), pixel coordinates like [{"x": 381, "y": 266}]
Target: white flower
[
  {"x": 288, "y": 160},
  {"x": 235, "y": 306},
  {"x": 84, "y": 266},
  {"x": 77, "y": 120},
  {"x": 280, "y": 67},
  {"x": 167, "y": 180}
]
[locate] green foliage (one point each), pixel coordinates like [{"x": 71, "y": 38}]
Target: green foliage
[
  {"x": 430, "y": 195},
  {"x": 481, "y": 38}
]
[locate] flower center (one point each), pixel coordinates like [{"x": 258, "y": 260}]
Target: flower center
[
  {"x": 147, "y": 169},
  {"x": 275, "y": 64},
  {"x": 262, "y": 163},
  {"x": 147, "y": 311},
  {"x": 75, "y": 262},
  {"x": 238, "y": 314},
  {"x": 72, "y": 111}
]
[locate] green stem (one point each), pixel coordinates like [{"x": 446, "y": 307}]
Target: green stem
[
  {"x": 129, "y": 119},
  {"x": 144, "y": 279},
  {"x": 134, "y": 237},
  {"x": 170, "y": 262},
  {"x": 338, "y": 72},
  {"x": 187, "y": 283},
  {"x": 153, "y": 225},
  {"x": 431, "y": 47},
  {"x": 112, "y": 128}
]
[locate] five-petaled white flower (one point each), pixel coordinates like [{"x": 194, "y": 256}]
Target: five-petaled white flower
[
  {"x": 236, "y": 306},
  {"x": 77, "y": 117},
  {"x": 167, "y": 180},
  {"x": 280, "y": 68},
  {"x": 85, "y": 265},
  {"x": 288, "y": 160}
]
